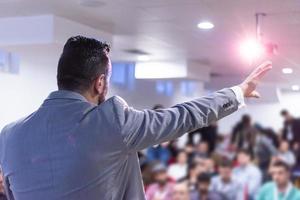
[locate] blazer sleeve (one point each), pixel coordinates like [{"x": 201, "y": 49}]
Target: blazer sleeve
[{"x": 141, "y": 129}]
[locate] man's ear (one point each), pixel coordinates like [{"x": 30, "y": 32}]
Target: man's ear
[{"x": 100, "y": 84}]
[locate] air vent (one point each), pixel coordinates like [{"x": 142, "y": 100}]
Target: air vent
[{"x": 136, "y": 52}]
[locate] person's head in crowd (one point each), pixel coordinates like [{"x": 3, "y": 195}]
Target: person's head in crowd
[
  {"x": 203, "y": 183},
  {"x": 244, "y": 157},
  {"x": 280, "y": 172},
  {"x": 1, "y": 183},
  {"x": 189, "y": 148},
  {"x": 246, "y": 120},
  {"x": 225, "y": 170},
  {"x": 286, "y": 115},
  {"x": 180, "y": 191},
  {"x": 84, "y": 67},
  {"x": 209, "y": 165},
  {"x": 202, "y": 148},
  {"x": 181, "y": 157},
  {"x": 160, "y": 175},
  {"x": 284, "y": 146},
  {"x": 194, "y": 170}
]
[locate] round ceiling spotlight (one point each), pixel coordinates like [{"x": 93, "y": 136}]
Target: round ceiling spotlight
[
  {"x": 295, "y": 87},
  {"x": 287, "y": 70},
  {"x": 206, "y": 25},
  {"x": 91, "y": 3}
]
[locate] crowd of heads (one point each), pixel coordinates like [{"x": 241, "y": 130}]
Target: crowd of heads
[{"x": 240, "y": 166}]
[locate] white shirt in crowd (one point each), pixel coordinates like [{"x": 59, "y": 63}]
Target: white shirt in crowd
[
  {"x": 229, "y": 189},
  {"x": 250, "y": 177},
  {"x": 287, "y": 157},
  {"x": 177, "y": 171}
]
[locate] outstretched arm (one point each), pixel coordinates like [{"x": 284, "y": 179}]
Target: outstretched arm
[{"x": 141, "y": 129}]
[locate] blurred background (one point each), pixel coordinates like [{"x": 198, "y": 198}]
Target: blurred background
[{"x": 165, "y": 52}]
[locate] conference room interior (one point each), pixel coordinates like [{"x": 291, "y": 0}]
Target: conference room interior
[{"x": 166, "y": 52}]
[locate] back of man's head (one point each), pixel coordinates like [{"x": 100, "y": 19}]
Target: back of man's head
[{"x": 82, "y": 60}]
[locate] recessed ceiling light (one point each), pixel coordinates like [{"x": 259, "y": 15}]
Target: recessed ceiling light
[
  {"x": 206, "y": 25},
  {"x": 143, "y": 58},
  {"x": 287, "y": 70},
  {"x": 295, "y": 87},
  {"x": 92, "y": 3}
]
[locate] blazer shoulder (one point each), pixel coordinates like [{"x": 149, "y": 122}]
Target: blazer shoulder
[
  {"x": 119, "y": 101},
  {"x": 113, "y": 108}
]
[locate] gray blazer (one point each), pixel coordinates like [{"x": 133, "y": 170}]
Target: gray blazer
[{"x": 70, "y": 149}]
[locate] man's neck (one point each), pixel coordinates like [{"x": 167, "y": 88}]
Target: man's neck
[
  {"x": 90, "y": 98},
  {"x": 283, "y": 187}
]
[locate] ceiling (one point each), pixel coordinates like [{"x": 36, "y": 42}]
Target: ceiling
[{"x": 167, "y": 30}]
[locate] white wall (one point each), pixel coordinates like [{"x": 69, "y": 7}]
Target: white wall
[{"x": 22, "y": 94}]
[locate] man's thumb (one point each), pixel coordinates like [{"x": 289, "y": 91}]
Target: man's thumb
[{"x": 255, "y": 94}]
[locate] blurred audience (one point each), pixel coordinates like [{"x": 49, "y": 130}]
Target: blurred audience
[
  {"x": 207, "y": 134},
  {"x": 162, "y": 187},
  {"x": 2, "y": 193},
  {"x": 285, "y": 154},
  {"x": 265, "y": 149},
  {"x": 201, "y": 151},
  {"x": 180, "y": 192},
  {"x": 178, "y": 170},
  {"x": 243, "y": 135},
  {"x": 225, "y": 183},
  {"x": 194, "y": 170},
  {"x": 203, "y": 192},
  {"x": 252, "y": 163},
  {"x": 281, "y": 188},
  {"x": 159, "y": 153},
  {"x": 248, "y": 174},
  {"x": 291, "y": 129}
]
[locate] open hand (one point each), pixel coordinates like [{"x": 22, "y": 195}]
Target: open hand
[{"x": 249, "y": 85}]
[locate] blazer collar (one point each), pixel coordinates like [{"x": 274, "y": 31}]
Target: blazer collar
[{"x": 65, "y": 94}]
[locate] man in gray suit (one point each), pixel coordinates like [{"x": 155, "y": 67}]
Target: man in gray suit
[{"x": 79, "y": 146}]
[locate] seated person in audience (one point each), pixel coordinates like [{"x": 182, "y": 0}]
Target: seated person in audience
[
  {"x": 201, "y": 151},
  {"x": 162, "y": 187},
  {"x": 180, "y": 191},
  {"x": 178, "y": 170},
  {"x": 2, "y": 194},
  {"x": 285, "y": 154},
  {"x": 209, "y": 165},
  {"x": 159, "y": 153},
  {"x": 281, "y": 187},
  {"x": 225, "y": 183},
  {"x": 264, "y": 150},
  {"x": 194, "y": 169},
  {"x": 247, "y": 174},
  {"x": 203, "y": 192},
  {"x": 208, "y": 134},
  {"x": 291, "y": 129}
]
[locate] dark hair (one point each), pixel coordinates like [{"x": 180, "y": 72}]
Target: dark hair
[
  {"x": 282, "y": 164},
  {"x": 225, "y": 163},
  {"x": 284, "y": 112},
  {"x": 246, "y": 152},
  {"x": 246, "y": 119},
  {"x": 82, "y": 60},
  {"x": 203, "y": 178}
]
